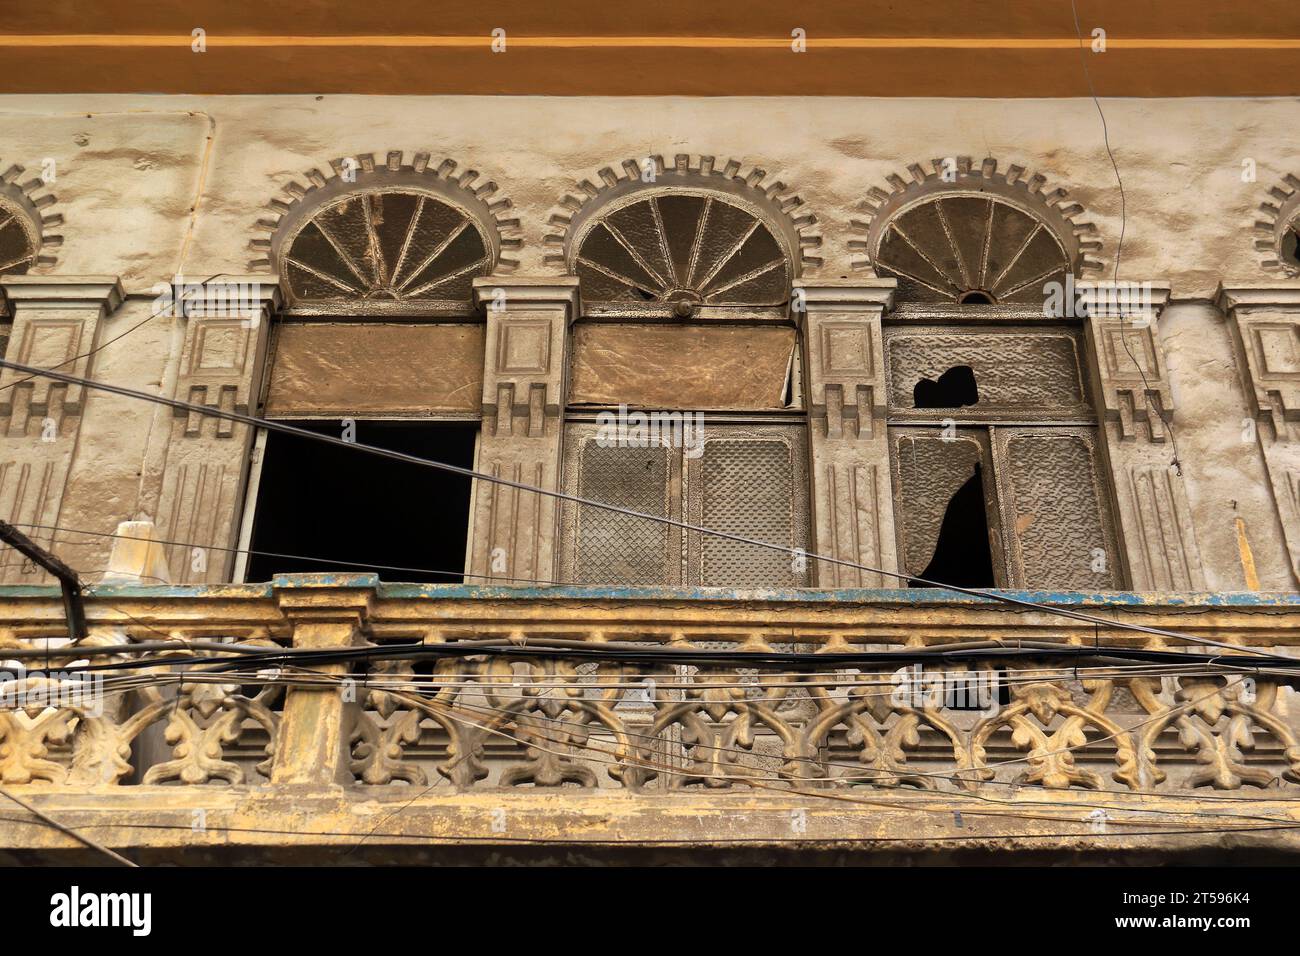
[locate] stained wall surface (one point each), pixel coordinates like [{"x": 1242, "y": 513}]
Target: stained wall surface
[{"x": 154, "y": 186}]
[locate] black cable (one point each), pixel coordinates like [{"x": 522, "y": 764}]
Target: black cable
[
  {"x": 104, "y": 345},
  {"x": 1119, "y": 246},
  {"x": 269, "y": 554},
  {"x": 255, "y": 422},
  {"x": 984, "y": 651}
]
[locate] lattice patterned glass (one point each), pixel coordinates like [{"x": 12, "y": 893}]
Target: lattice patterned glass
[
  {"x": 748, "y": 490},
  {"x": 946, "y": 248},
  {"x": 1053, "y": 496},
  {"x": 928, "y": 472},
  {"x": 683, "y": 247},
  {"x": 614, "y": 548},
  {"x": 386, "y": 246}
]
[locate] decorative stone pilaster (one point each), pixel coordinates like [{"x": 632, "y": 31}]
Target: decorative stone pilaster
[
  {"x": 1131, "y": 392},
  {"x": 56, "y": 325},
  {"x": 221, "y": 365},
  {"x": 1265, "y": 324},
  {"x": 327, "y": 611},
  {"x": 847, "y": 394},
  {"x": 514, "y": 532}
]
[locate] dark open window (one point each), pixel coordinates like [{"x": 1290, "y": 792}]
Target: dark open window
[{"x": 318, "y": 501}]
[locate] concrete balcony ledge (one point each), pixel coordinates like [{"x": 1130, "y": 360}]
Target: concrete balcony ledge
[{"x": 470, "y": 722}]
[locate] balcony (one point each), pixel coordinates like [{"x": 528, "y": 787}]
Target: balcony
[{"x": 519, "y": 723}]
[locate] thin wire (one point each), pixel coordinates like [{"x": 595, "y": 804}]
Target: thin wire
[
  {"x": 1119, "y": 247},
  {"x": 638, "y": 760},
  {"x": 104, "y": 345},
  {"x": 49, "y": 821},
  {"x": 663, "y": 841},
  {"x": 752, "y": 780},
  {"x": 269, "y": 554},
  {"x": 256, "y": 422},
  {"x": 114, "y": 684}
]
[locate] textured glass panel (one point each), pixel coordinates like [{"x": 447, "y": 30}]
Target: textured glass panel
[
  {"x": 724, "y": 230},
  {"x": 683, "y": 247},
  {"x": 1055, "y": 503},
  {"x": 925, "y": 230},
  {"x": 620, "y": 549},
  {"x": 918, "y": 279},
  {"x": 640, "y": 230},
  {"x": 957, "y": 243},
  {"x": 1008, "y": 233},
  {"x": 748, "y": 491},
  {"x": 929, "y": 471},
  {"x": 452, "y": 268},
  {"x": 17, "y": 251},
  {"x": 757, "y": 267},
  {"x": 968, "y": 223},
  {"x": 1042, "y": 257},
  {"x": 1024, "y": 371},
  {"x": 603, "y": 250},
  {"x": 386, "y": 245},
  {"x": 681, "y": 217},
  {"x": 435, "y": 224}
]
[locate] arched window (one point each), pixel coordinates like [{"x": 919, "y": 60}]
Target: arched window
[
  {"x": 26, "y": 239},
  {"x": 381, "y": 343},
  {"x": 682, "y": 247},
  {"x": 386, "y": 245},
  {"x": 974, "y": 236},
  {"x": 684, "y": 398},
  {"x": 998, "y": 475}
]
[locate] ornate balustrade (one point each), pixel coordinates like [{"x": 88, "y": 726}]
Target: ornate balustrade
[{"x": 524, "y": 724}]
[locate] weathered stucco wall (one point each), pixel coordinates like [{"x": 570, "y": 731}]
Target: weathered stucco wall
[
  {"x": 127, "y": 193},
  {"x": 149, "y": 186}
]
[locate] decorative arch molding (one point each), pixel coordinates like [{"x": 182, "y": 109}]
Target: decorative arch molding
[
  {"x": 329, "y": 239},
  {"x": 26, "y": 241},
  {"x": 958, "y": 230},
  {"x": 663, "y": 215},
  {"x": 1278, "y": 229}
]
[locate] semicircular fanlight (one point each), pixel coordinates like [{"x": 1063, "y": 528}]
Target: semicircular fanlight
[
  {"x": 19, "y": 243},
  {"x": 971, "y": 249},
  {"x": 674, "y": 247},
  {"x": 389, "y": 245}
]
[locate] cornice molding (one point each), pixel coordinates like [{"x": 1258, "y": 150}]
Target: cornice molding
[{"x": 63, "y": 292}]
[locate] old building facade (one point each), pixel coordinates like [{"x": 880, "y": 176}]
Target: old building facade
[{"x": 905, "y": 341}]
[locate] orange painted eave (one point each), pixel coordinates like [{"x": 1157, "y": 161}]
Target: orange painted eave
[{"x": 1013, "y": 66}]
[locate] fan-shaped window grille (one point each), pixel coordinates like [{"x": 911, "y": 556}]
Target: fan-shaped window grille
[
  {"x": 683, "y": 247},
  {"x": 19, "y": 242},
  {"x": 386, "y": 245},
  {"x": 970, "y": 249}
]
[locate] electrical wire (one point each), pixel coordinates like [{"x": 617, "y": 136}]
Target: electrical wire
[
  {"x": 959, "y": 777},
  {"x": 257, "y": 422},
  {"x": 1119, "y": 247},
  {"x": 622, "y": 841},
  {"x": 269, "y": 554},
  {"x": 49, "y": 821},
  {"x": 104, "y": 345}
]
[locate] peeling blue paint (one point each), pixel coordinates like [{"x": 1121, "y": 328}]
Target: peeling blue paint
[{"x": 459, "y": 592}]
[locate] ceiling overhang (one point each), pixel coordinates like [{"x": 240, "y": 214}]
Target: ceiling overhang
[{"x": 863, "y": 48}]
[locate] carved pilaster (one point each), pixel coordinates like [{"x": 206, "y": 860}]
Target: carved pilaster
[
  {"x": 1266, "y": 330},
  {"x": 328, "y": 612},
  {"x": 56, "y": 325},
  {"x": 513, "y": 534},
  {"x": 846, "y": 382},
  {"x": 221, "y": 366},
  {"x": 1131, "y": 391}
]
